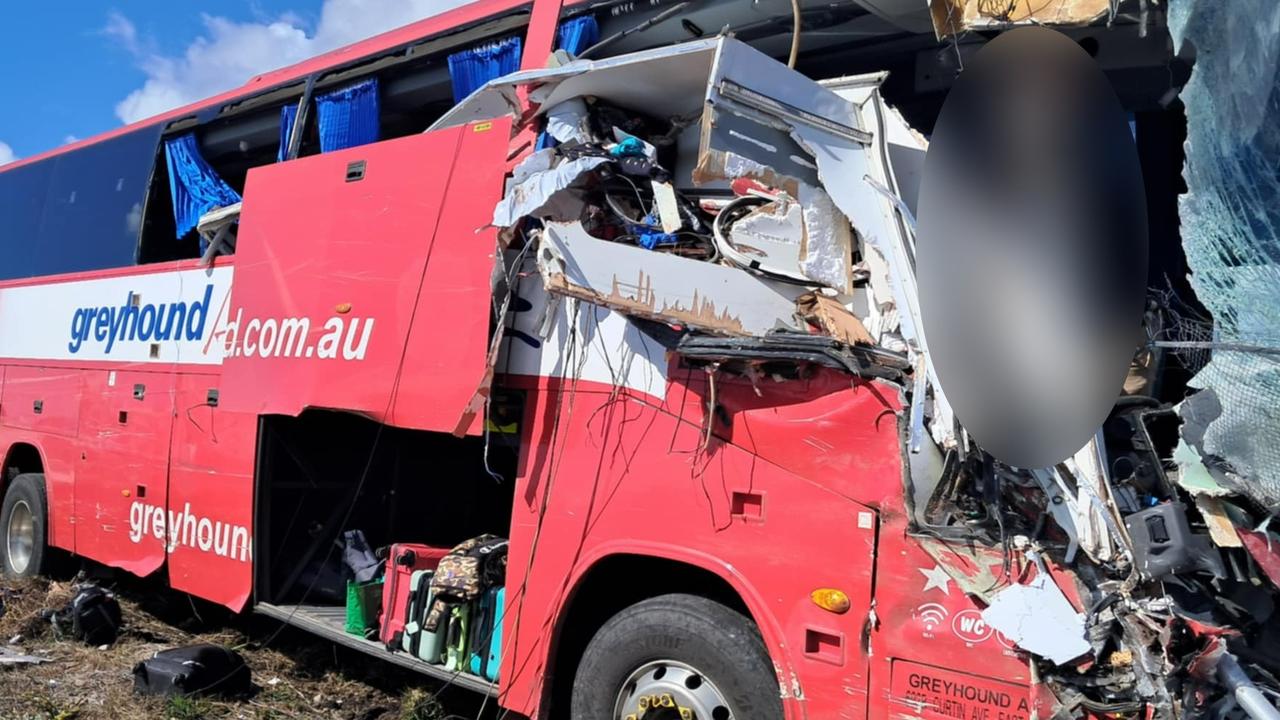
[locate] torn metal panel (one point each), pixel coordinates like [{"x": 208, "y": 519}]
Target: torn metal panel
[
  {"x": 664, "y": 81},
  {"x": 1038, "y": 618},
  {"x": 772, "y": 158},
  {"x": 845, "y": 167},
  {"x": 900, "y": 165},
  {"x": 769, "y": 123},
  {"x": 1098, "y": 523},
  {"x": 550, "y": 335},
  {"x": 952, "y": 17},
  {"x": 972, "y": 567},
  {"x": 663, "y": 287},
  {"x": 1063, "y": 507},
  {"x": 753, "y": 104},
  {"x": 893, "y": 249}
]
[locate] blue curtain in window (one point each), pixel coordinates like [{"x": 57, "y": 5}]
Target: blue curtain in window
[
  {"x": 195, "y": 187},
  {"x": 471, "y": 69},
  {"x": 578, "y": 34},
  {"x": 288, "y": 116},
  {"x": 348, "y": 116}
]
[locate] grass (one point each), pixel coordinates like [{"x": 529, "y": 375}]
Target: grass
[
  {"x": 185, "y": 708},
  {"x": 418, "y": 704}
]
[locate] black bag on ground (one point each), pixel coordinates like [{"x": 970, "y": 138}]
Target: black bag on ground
[
  {"x": 92, "y": 616},
  {"x": 193, "y": 670}
]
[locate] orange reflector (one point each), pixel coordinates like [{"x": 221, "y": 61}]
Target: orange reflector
[{"x": 831, "y": 600}]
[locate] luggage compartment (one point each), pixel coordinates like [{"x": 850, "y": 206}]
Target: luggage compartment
[{"x": 324, "y": 473}]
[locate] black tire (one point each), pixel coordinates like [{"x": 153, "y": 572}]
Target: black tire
[
  {"x": 26, "y": 490},
  {"x": 718, "y": 643}
]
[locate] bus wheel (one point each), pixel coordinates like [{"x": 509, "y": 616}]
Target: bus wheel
[
  {"x": 678, "y": 657},
  {"x": 22, "y": 526}
]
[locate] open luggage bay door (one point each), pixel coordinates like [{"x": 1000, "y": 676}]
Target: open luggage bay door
[{"x": 372, "y": 262}]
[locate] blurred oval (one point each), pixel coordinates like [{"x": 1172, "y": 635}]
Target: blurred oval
[{"x": 1032, "y": 247}]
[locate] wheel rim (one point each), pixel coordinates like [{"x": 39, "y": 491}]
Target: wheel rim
[
  {"x": 21, "y": 537},
  {"x": 670, "y": 690}
]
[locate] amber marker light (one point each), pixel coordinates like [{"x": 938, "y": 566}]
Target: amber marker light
[{"x": 831, "y": 600}]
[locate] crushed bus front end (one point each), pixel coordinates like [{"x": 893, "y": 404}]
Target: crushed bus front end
[{"x": 741, "y": 239}]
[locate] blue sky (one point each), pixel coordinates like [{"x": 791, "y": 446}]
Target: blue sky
[{"x": 74, "y": 73}]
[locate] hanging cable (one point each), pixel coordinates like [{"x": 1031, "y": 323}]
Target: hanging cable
[{"x": 795, "y": 34}]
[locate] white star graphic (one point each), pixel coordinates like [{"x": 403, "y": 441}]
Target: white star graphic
[{"x": 936, "y": 578}]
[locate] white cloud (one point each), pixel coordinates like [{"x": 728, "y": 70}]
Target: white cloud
[
  {"x": 6, "y": 154},
  {"x": 123, "y": 31},
  {"x": 70, "y": 139},
  {"x": 228, "y": 52}
]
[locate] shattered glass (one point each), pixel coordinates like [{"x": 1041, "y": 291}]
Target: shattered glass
[{"x": 1231, "y": 222}]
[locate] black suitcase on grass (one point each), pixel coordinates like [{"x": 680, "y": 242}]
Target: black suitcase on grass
[
  {"x": 92, "y": 616},
  {"x": 194, "y": 670}
]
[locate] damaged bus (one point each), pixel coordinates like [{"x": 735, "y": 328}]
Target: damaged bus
[{"x": 633, "y": 288}]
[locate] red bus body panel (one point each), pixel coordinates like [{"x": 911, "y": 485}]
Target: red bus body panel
[
  {"x": 211, "y": 471},
  {"x": 52, "y": 431},
  {"x": 644, "y": 480},
  {"x": 126, "y": 420}
]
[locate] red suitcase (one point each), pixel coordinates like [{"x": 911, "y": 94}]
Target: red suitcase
[{"x": 404, "y": 559}]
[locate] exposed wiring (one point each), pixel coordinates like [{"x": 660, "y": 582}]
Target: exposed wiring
[
  {"x": 500, "y": 312},
  {"x": 639, "y": 197},
  {"x": 556, "y": 440},
  {"x": 621, "y": 212}
]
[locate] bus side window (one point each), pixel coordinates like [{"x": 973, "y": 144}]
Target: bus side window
[
  {"x": 229, "y": 147},
  {"x": 23, "y": 194},
  {"x": 158, "y": 242},
  {"x": 78, "y": 210}
]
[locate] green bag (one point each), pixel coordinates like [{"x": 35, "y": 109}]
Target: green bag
[{"x": 363, "y": 603}]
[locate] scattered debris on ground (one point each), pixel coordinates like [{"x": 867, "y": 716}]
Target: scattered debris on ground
[{"x": 48, "y": 676}]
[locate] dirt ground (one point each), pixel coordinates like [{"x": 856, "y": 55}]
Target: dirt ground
[{"x": 295, "y": 674}]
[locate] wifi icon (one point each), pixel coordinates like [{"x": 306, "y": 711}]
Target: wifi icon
[{"x": 931, "y": 615}]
